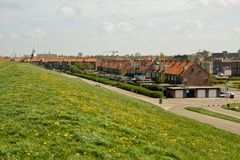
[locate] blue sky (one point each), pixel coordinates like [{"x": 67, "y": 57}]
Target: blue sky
[{"x": 129, "y": 26}]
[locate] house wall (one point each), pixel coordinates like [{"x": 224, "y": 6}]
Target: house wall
[
  {"x": 173, "y": 79},
  {"x": 196, "y": 76},
  {"x": 235, "y": 68},
  {"x": 198, "y": 92}
]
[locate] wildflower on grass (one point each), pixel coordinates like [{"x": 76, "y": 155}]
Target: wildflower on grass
[
  {"x": 45, "y": 143},
  {"x": 57, "y": 123},
  {"x": 174, "y": 139},
  {"x": 66, "y": 134},
  {"x": 162, "y": 134}
]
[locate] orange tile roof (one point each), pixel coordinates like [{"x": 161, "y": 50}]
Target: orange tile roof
[
  {"x": 115, "y": 65},
  {"x": 178, "y": 68},
  {"x": 5, "y": 59},
  {"x": 35, "y": 60},
  {"x": 90, "y": 60},
  {"x": 46, "y": 60},
  {"x": 51, "y": 60}
]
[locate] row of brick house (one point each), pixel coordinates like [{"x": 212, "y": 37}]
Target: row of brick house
[
  {"x": 60, "y": 63},
  {"x": 6, "y": 59},
  {"x": 187, "y": 73}
]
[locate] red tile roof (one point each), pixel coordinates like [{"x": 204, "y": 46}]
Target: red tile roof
[
  {"x": 115, "y": 65},
  {"x": 5, "y": 59},
  {"x": 178, "y": 68},
  {"x": 36, "y": 60},
  {"x": 46, "y": 60},
  {"x": 174, "y": 68}
]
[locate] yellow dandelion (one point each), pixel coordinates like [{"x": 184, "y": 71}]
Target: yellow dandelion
[
  {"x": 66, "y": 134},
  {"x": 57, "y": 123}
]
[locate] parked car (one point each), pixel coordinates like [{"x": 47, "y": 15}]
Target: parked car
[{"x": 227, "y": 95}]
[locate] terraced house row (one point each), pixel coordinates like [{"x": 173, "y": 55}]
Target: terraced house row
[{"x": 186, "y": 73}]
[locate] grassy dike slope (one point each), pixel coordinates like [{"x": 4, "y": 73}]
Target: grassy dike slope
[{"x": 45, "y": 115}]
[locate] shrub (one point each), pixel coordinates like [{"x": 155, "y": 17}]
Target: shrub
[{"x": 129, "y": 87}]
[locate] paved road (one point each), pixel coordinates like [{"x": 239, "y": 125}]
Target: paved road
[{"x": 177, "y": 106}]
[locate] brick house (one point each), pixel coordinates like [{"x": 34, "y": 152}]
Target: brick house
[
  {"x": 115, "y": 67},
  {"x": 196, "y": 76},
  {"x": 188, "y": 74},
  {"x": 227, "y": 67},
  {"x": 60, "y": 62},
  {"x": 140, "y": 68},
  {"x": 5, "y": 59}
]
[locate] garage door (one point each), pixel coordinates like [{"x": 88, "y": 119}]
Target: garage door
[
  {"x": 179, "y": 94},
  {"x": 212, "y": 93},
  {"x": 201, "y": 93}
]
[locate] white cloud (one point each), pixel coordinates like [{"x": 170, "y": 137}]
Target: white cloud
[
  {"x": 214, "y": 3},
  {"x": 68, "y": 10},
  {"x": 198, "y": 3},
  {"x": 37, "y": 33},
  {"x": 2, "y": 35},
  {"x": 124, "y": 26},
  {"x": 108, "y": 26},
  {"x": 120, "y": 26},
  {"x": 237, "y": 29},
  {"x": 14, "y": 35},
  {"x": 189, "y": 25}
]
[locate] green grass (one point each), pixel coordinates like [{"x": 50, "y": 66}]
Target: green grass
[
  {"x": 233, "y": 107},
  {"x": 45, "y": 115},
  {"x": 213, "y": 114}
]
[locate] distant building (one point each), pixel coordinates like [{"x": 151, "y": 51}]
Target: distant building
[
  {"x": 226, "y": 67},
  {"x": 80, "y": 54},
  {"x": 181, "y": 57},
  {"x": 205, "y": 54},
  {"x": 46, "y": 56},
  {"x": 49, "y": 55},
  {"x": 207, "y": 65},
  {"x": 137, "y": 54},
  {"x": 226, "y": 55}
]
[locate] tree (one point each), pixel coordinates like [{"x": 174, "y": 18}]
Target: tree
[{"x": 81, "y": 67}]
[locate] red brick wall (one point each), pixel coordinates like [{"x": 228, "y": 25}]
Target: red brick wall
[{"x": 196, "y": 76}]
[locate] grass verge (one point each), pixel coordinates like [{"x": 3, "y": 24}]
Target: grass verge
[
  {"x": 45, "y": 115},
  {"x": 128, "y": 87},
  {"x": 213, "y": 114},
  {"x": 233, "y": 107}
]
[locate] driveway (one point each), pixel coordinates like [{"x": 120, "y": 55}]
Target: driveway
[{"x": 177, "y": 106}]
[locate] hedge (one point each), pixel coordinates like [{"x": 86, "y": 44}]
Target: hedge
[{"x": 129, "y": 87}]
